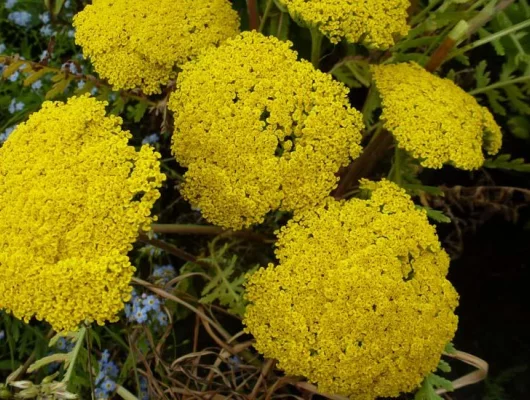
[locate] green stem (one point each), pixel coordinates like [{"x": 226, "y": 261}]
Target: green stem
[
  {"x": 90, "y": 376},
  {"x": 419, "y": 17},
  {"x": 265, "y": 15},
  {"x": 490, "y": 38},
  {"x": 395, "y": 174},
  {"x": 124, "y": 393},
  {"x": 74, "y": 354},
  {"x": 499, "y": 85},
  {"x": 316, "y": 46}
]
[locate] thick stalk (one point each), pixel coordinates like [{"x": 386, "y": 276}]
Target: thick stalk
[
  {"x": 124, "y": 393},
  {"x": 316, "y": 46},
  {"x": 253, "y": 15},
  {"x": 461, "y": 30},
  {"x": 210, "y": 230},
  {"x": 364, "y": 165}
]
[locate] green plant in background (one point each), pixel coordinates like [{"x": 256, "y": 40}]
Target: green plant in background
[{"x": 259, "y": 131}]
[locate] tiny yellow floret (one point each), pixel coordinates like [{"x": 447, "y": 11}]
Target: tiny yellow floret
[
  {"x": 259, "y": 131},
  {"x": 375, "y": 23},
  {"x": 359, "y": 302},
  {"x": 73, "y": 196},
  {"x": 139, "y": 44},
  {"x": 433, "y": 119}
]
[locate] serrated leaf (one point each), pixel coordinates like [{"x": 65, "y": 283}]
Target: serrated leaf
[
  {"x": 435, "y": 215},
  {"x": 427, "y": 391},
  {"x": 497, "y": 44},
  {"x": 139, "y": 111},
  {"x": 450, "y": 348},
  {"x": 482, "y": 77},
  {"x": 520, "y": 127},
  {"x": 444, "y": 366},
  {"x": 518, "y": 100},
  {"x": 504, "y": 161}
]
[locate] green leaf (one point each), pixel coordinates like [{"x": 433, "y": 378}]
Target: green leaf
[
  {"x": 427, "y": 391},
  {"x": 139, "y": 111},
  {"x": 504, "y": 161},
  {"x": 520, "y": 127},
  {"x": 450, "y": 348},
  {"x": 32, "y": 78},
  {"x": 435, "y": 215}
]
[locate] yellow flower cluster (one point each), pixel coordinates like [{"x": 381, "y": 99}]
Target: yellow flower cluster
[
  {"x": 259, "y": 130},
  {"x": 359, "y": 302},
  {"x": 140, "y": 43},
  {"x": 73, "y": 195},
  {"x": 373, "y": 22},
  {"x": 434, "y": 119}
]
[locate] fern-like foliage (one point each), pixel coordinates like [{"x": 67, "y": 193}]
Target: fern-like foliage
[{"x": 504, "y": 161}]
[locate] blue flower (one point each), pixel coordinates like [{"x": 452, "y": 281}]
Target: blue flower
[
  {"x": 10, "y": 4},
  {"x": 2, "y": 335},
  {"x": 15, "y": 106},
  {"x": 44, "y": 54},
  {"x": 36, "y": 85},
  {"x": 108, "y": 385},
  {"x": 151, "y": 303},
  {"x": 46, "y": 30},
  {"x": 152, "y": 138},
  {"x": 6, "y": 133},
  {"x": 21, "y": 18},
  {"x": 14, "y": 77},
  {"x": 161, "y": 317},
  {"x": 71, "y": 33},
  {"x": 44, "y": 17},
  {"x": 164, "y": 273},
  {"x": 111, "y": 370},
  {"x": 2, "y": 48},
  {"x": 80, "y": 85},
  {"x": 94, "y": 91},
  {"x": 70, "y": 67},
  {"x": 105, "y": 356},
  {"x": 140, "y": 315},
  {"x": 101, "y": 394}
]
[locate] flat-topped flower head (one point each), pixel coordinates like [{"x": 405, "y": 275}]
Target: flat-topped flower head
[
  {"x": 259, "y": 131},
  {"x": 433, "y": 119},
  {"x": 375, "y": 23},
  {"x": 73, "y": 196},
  {"x": 139, "y": 44},
  {"x": 359, "y": 302}
]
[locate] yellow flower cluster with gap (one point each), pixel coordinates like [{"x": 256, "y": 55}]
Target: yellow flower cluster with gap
[
  {"x": 359, "y": 302},
  {"x": 73, "y": 196},
  {"x": 433, "y": 119},
  {"x": 141, "y": 43},
  {"x": 259, "y": 131},
  {"x": 375, "y": 23}
]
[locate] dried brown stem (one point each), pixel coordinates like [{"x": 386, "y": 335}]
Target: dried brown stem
[{"x": 364, "y": 165}]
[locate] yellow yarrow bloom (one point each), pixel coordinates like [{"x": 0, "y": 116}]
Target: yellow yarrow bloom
[
  {"x": 73, "y": 196},
  {"x": 373, "y": 22},
  {"x": 259, "y": 130},
  {"x": 434, "y": 119},
  {"x": 140, "y": 43},
  {"x": 359, "y": 302}
]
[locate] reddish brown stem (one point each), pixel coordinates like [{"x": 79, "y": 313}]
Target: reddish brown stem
[
  {"x": 364, "y": 165},
  {"x": 253, "y": 15}
]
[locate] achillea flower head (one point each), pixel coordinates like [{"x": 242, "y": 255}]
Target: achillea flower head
[
  {"x": 259, "y": 131},
  {"x": 375, "y": 23},
  {"x": 140, "y": 43},
  {"x": 434, "y": 119},
  {"x": 359, "y": 302},
  {"x": 73, "y": 195}
]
